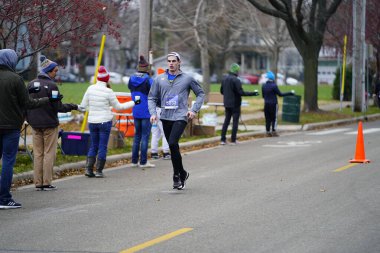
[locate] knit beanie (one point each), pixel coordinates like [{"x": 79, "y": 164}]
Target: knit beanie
[
  {"x": 46, "y": 64},
  {"x": 103, "y": 74},
  {"x": 234, "y": 68},
  {"x": 270, "y": 75},
  {"x": 143, "y": 65}
]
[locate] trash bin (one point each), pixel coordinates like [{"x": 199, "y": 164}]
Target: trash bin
[
  {"x": 291, "y": 109},
  {"x": 75, "y": 143}
]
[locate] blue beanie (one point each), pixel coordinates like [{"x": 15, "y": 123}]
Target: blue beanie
[
  {"x": 46, "y": 64},
  {"x": 270, "y": 75}
]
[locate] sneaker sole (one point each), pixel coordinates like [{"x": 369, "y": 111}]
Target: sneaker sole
[
  {"x": 50, "y": 189},
  {"x": 9, "y": 207}
]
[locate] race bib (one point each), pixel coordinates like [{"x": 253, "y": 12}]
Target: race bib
[{"x": 171, "y": 102}]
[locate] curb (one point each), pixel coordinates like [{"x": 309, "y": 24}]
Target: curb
[
  {"x": 114, "y": 158},
  {"x": 315, "y": 126}
]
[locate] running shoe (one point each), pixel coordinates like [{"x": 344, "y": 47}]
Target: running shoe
[
  {"x": 155, "y": 156},
  {"x": 183, "y": 181},
  {"x": 49, "y": 187},
  {"x": 147, "y": 165},
  {"x": 167, "y": 156},
  {"x": 176, "y": 182},
  {"x": 11, "y": 204}
]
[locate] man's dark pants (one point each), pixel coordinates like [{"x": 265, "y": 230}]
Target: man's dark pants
[
  {"x": 173, "y": 131},
  {"x": 233, "y": 112}
]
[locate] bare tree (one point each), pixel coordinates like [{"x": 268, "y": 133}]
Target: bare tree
[
  {"x": 306, "y": 21},
  {"x": 191, "y": 26},
  {"x": 32, "y": 26}
]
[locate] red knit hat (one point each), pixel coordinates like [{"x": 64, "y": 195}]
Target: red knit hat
[
  {"x": 103, "y": 74},
  {"x": 143, "y": 65}
]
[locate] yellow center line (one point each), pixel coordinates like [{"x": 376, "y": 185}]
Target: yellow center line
[
  {"x": 156, "y": 240},
  {"x": 346, "y": 167}
]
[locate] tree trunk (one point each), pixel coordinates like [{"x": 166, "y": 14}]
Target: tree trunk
[
  {"x": 310, "y": 60},
  {"x": 82, "y": 66},
  {"x": 220, "y": 65},
  {"x": 200, "y": 32},
  {"x": 205, "y": 71},
  {"x": 377, "y": 62}
]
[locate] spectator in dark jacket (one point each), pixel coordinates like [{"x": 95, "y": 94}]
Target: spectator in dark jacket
[
  {"x": 44, "y": 122},
  {"x": 232, "y": 91},
  {"x": 270, "y": 92},
  {"x": 139, "y": 84},
  {"x": 14, "y": 100}
]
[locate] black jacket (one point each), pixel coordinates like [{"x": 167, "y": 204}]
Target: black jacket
[
  {"x": 270, "y": 92},
  {"x": 47, "y": 116},
  {"x": 232, "y": 91},
  {"x": 14, "y": 99}
]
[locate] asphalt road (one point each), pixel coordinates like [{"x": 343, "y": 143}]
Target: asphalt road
[{"x": 295, "y": 193}]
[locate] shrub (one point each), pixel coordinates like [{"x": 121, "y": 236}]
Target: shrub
[{"x": 347, "y": 86}]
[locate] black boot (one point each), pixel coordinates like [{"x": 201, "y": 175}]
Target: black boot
[
  {"x": 90, "y": 166},
  {"x": 99, "y": 168}
]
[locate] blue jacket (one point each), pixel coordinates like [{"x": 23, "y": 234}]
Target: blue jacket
[
  {"x": 139, "y": 84},
  {"x": 270, "y": 92}
]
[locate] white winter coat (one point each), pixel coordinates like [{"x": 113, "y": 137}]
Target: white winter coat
[{"x": 99, "y": 101}]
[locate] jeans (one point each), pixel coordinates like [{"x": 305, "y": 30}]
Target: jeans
[
  {"x": 142, "y": 133},
  {"x": 8, "y": 151},
  {"x": 233, "y": 112},
  {"x": 173, "y": 131},
  {"x": 99, "y": 133}
]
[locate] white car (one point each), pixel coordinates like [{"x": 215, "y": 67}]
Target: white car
[
  {"x": 280, "y": 80},
  {"x": 115, "y": 78}
]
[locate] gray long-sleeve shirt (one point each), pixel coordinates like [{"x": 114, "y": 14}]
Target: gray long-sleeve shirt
[{"x": 172, "y": 96}]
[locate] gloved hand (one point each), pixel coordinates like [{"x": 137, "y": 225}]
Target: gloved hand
[
  {"x": 33, "y": 89},
  {"x": 137, "y": 101},
  {"x": 81, "y": 109},
  {"x": 256, "y": 93},
  {"x": 293, "y": 92},
  {"x": 58, "y": 98}
]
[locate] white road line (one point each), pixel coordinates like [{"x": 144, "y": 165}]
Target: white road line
[
  {"x": 366, "y": 131},
  {"x": 332, "y": 131}
]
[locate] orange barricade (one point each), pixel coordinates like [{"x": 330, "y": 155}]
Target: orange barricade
[{"x": 124, "y": 118}]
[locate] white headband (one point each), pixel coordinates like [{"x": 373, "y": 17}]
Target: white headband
[{"x": 174, "y": 54}]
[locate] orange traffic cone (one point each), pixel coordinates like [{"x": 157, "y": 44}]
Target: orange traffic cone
[{"x": 360, "y": 153}]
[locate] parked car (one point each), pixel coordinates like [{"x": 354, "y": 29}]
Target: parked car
[
  {"x": 65, "y": 77},
  {"x": 280, "y": 80},
  {"x": 115, "y": 78},
  {"x": 253, "y": 79},
  {"x": 244, "y": 80},
  {"x": 193, "y": 72}
]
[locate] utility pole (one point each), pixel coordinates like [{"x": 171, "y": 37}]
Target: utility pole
[
  {"x": 363, "y": 57},
  {"x": 145, "y": 27},
  {"x": 358, "y": 68}
]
